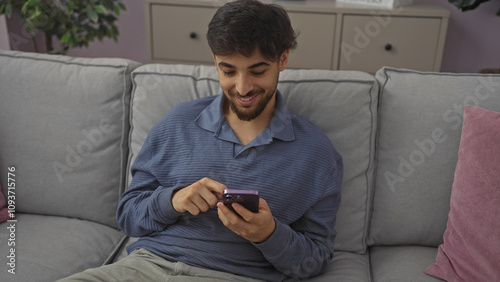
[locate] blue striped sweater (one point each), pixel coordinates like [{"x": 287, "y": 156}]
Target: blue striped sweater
[{"x": 292, "y": 164}]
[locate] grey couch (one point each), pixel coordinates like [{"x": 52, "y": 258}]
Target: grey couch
[{"x": 72, "y": 127}]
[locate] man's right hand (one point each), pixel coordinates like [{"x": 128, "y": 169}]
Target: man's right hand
[{"x": 198, "y": 197}]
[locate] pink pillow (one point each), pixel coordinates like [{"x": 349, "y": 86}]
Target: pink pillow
[
  {"x": 471, "y": 248},
  {"x": 4, "y": 213}
]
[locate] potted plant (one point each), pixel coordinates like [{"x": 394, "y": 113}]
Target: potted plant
[
  {"x": 74, "y": 23},
  {"x": 466, "y": 5}
]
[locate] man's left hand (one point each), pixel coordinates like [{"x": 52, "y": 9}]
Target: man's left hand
[{"x": 255, "y": 227}]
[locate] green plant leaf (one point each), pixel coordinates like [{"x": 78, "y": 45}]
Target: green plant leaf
[
  {"x": 8, "y": 9},
  {"x": 2, "y": 8},
  {"x": 93, "y": 16},
  {"x": 108, "y": 4},
  {"x": 25, "y": 7},
  {"x": 65, "y": 37},
  {"x": 37, "y": 12},
  {"x": 71, "y": 7},
  {"x": 100, "y": 9},
  {"x": 100, "y": 34},
  {"x": 30, "y": 28},
  {"x": 122, "y": 6},
  {"x": 115, "y": 33}
]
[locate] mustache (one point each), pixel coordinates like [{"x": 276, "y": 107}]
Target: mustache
[{"x": 248, "y": 94}]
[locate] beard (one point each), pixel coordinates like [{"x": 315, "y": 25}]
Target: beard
[{"x": 246, "y": 113}]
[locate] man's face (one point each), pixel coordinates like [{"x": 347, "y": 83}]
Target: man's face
[{"x": 249, "y": 83}]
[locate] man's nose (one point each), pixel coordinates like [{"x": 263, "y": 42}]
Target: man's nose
[{"x": 244, "y": 85}]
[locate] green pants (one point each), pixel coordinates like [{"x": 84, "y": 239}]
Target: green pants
[{"x": 142, "y": 265}]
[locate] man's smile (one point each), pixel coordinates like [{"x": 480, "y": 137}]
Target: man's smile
[{"x": 247, "y": 101}]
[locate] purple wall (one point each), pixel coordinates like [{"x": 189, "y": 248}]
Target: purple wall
[
  {"x": 473, "y": 38},
  {"x": 472, "y": 42}
]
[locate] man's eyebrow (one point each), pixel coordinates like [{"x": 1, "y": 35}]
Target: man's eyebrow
[
  {"x": 258, "y": 65},
  {"x": 224, "y": 64}
]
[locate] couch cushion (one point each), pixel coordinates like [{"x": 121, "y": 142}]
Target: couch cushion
[
  {"x": 471, "y": 248},
  {"x": 63, "y": 123},
  {"x": 419, "y": 134},
  {"x": 122, "y": 252},
  {"x": 401, "y": 263},
  {"x": 48, "y": 248},
  {"x": 157, "y": 88},
  {"x": 345, "y": 267},
  {"x": 342, "y": 104}
]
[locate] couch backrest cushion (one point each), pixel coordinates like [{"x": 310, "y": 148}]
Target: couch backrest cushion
[
  {"x": 342, "y": 104},
  {"x": 63, "y": 124},
  {"x": 157, "y": 88},
  {"x": 420, "y": 121}
]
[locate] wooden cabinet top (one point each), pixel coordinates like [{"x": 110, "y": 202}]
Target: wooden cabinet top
[{"x": 326, "y": 6}]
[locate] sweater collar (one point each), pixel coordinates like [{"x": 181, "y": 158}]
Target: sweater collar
[{"x": 280, "y": 127}]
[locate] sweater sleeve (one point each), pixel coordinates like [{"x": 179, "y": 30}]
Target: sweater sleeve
[
  {"x": 146, "y": 206},
  {"x": 305, "y": 248}
]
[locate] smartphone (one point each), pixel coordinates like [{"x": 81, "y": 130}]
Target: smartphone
[{"x": 247, "y": 198}]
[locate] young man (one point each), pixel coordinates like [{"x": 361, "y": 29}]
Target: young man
[{"x": 244, "y": 138}]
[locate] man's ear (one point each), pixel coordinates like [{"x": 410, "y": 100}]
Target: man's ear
[{"x": 284, "y": 60}]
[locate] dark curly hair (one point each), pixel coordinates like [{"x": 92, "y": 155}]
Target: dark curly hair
[{"x": 244, "y": 26}]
